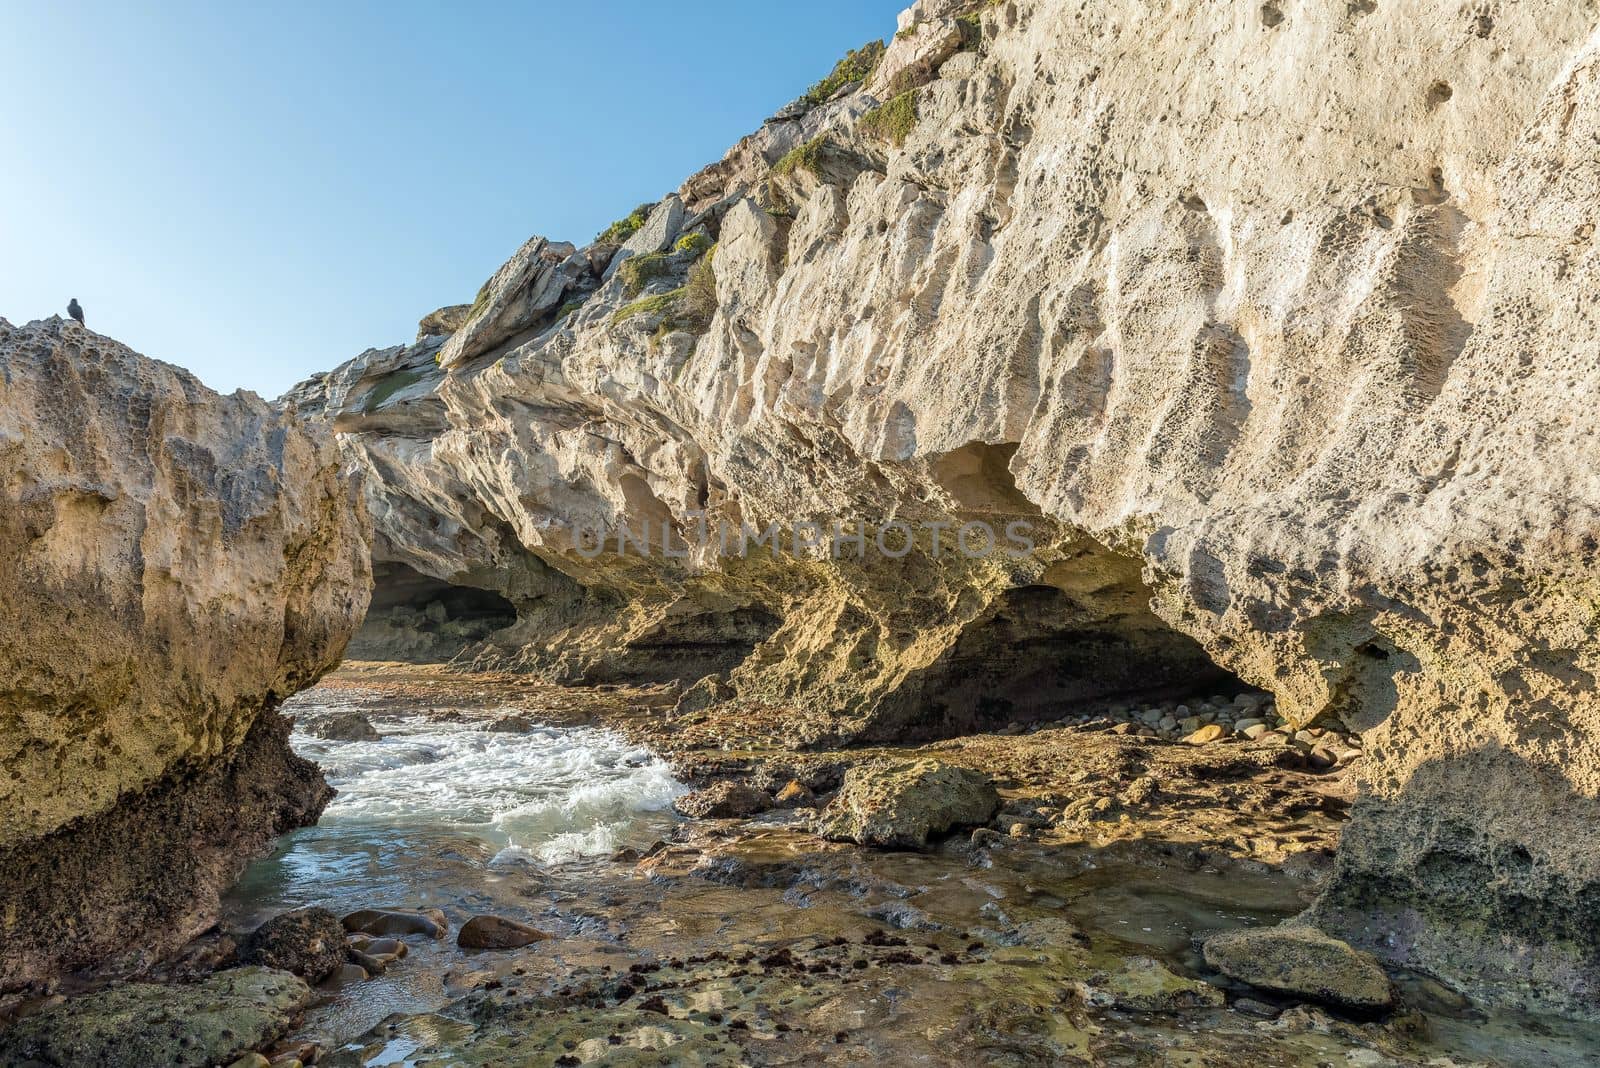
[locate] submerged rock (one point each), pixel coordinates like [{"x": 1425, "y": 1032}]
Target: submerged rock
[
  {"x": 902, "y": 805},
  {"x": 1302, "y": 962},
  {"x": 308, "y": 942},
  {"x": 497, "y": 932},
  {"x": 191, "y": 1025}
]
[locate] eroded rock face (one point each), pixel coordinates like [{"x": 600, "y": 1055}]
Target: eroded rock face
[
  {"x": 1275, "y": 320},
  {"x": 173, "y": 563}
]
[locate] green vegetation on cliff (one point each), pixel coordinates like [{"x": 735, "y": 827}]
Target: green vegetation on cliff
[
  {"x": 894, "y": 121},
  {"x": 856, "y": 66}
]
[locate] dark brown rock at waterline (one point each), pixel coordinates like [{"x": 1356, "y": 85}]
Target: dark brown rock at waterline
[
  {"x": 308, "y": 942},
  {"x": 723, "y": 801},
  {"x": 497, "y": 932},
  {"x": 398, "y": 922}
]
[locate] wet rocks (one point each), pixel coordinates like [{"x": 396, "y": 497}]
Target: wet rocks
[
  {"x": 346, "y": 725},
  {"x": 192, "y": 1025},
  {"x": 308, "y": 942},
  {"x": 724, "y": 800},
  {"x": 497, "y": 932},
  {"x": 902, "y": 804},
  {"x": 513, "y": 724},
  {"x": 1140, "y": 984},
  {"x": 1302, "y": 962},
  {"x": 398, "y": 922},
  {"x": 795, "y": 794},
  {"x": 372, "y": 956}
]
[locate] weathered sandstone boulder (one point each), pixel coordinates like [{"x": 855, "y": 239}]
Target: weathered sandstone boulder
[
  {"x": 1274, "y": 323},
  {"x": 904, "y": 804},
  {"x": 173, "y": 563}
]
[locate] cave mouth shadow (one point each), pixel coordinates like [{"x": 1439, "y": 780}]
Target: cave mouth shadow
[
  {"x": 1082, "y": 637},
  {"x": 416, "y": 618}
]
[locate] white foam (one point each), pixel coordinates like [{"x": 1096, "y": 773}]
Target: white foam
[{"x": 549, "y": 794}]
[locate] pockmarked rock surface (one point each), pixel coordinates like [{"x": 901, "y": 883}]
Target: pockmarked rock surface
[
  {"x": 173, "y": 563},
  {"x": 308, "y": 942},
  {"x": 1273, "y": 322},
  {"x": 902, "y": 805},
  {"x": 193, "y": 1025},
  {"x": 1302, "y": 962}
]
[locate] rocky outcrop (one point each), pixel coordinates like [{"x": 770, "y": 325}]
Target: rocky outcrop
[
  {"x": 1302, "y": 962},
  {"x": 173, "y": 563},
  {"x": 905, "y": 804},
  {"x": 1273, "y": 324},
  {"x": 193, "y": 1025}
]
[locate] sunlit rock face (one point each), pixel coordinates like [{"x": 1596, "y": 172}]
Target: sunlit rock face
[
  {"x": 173, "y": 563},
  {"x": 1276, "y": 324}
]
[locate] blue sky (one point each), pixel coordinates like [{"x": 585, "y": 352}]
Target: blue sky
[{"x": 260, "y": 191}]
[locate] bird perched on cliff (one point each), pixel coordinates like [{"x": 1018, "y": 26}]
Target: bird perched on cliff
[{"x": 75, "y": 310}]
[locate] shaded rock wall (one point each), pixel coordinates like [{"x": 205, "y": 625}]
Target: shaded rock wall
[
  {"x": 1290, "y": 305},
  {"x": 173, "y": 563}
]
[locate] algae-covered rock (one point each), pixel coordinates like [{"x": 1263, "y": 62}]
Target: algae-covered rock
[
  {"x": 1302, "y": 962},
  {"x": 1140, "y": 984},
  {"x": 181, "y": 1025},
  {"x": 901, "y": 805},
  {"x": 308, "y": 942}
]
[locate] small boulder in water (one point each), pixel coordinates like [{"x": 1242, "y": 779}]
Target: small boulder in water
[
  {"x": 510, "y": 725},
  {"x": 398, "y": 922},
  {"x": 497, "y": 932},
  {"x": 308, "y": 942},
  {"x": 726, "y": 800},
  {"x": 346, "y": 726},
  {"x": 901, "y": 804},
  {"x": 1302, "y": 962}
]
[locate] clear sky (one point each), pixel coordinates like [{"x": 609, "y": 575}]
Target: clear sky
[{"x": 260, "y": 191}]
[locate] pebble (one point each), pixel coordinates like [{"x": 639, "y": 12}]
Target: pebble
[
  {"x": 1322, "y": 757},
  {"x": 1254, "y": 731},
  {"x": 1205, "y": 735}
]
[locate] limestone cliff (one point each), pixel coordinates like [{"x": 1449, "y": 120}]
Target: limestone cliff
[
  {"x": 1276, "y": 322},
  {"x": 173, "y": 563}
]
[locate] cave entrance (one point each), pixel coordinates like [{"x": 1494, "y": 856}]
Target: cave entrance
[
  {"x": 420, "y": 619},
  {"x": 1081, "y": 638}
]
